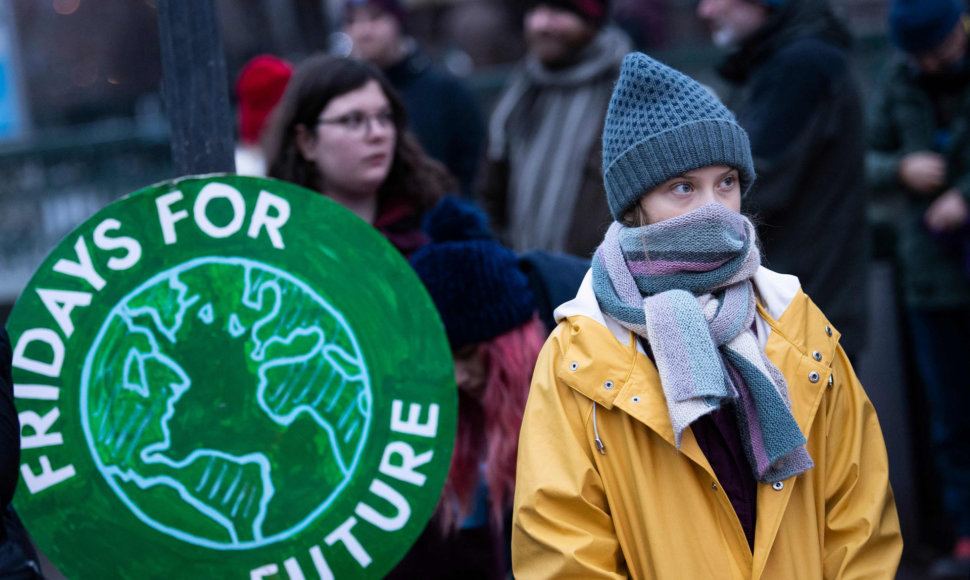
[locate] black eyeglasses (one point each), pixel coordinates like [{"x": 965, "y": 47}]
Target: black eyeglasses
[{"x": 358, "y": 123}]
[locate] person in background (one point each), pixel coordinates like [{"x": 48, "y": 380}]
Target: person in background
[
  {"x": 542, "y": 183},
  {"x": 793, "y": 92},
  {"x": 443, "y": 113},
  {"x": 18, "y": 560},
  {"x": 341, "y": 129},
  {"x": 694, "y": 415},
  {"x": 919, "y": 140},
  {"x": 259, "y": 87},
  {"x": 489, "y": 314}
]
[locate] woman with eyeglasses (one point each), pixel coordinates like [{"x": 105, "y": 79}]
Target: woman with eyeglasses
[{"x": 340, "y": 129}]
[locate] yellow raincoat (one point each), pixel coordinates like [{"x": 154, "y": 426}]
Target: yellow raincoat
[{"x": 643, "y": 509}]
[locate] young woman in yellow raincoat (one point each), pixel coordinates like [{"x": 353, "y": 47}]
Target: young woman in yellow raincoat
[{"x": 693, "y": 415}]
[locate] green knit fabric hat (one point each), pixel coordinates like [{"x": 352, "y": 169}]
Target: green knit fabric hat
[{"x": 660, "y": 124}]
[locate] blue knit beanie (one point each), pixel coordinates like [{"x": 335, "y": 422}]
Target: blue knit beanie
[
  {"x": 474, "y": 280},
  {"x": 917, "y": 26},
  {"x": 660, "y": 124}
]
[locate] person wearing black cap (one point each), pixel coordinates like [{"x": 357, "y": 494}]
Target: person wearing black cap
[
  {"x": 443, "y": 113},
  {"x": 791, "y": 85},
  {"x": 919, "y": 142},
  {"x": 542, "y": 165}
]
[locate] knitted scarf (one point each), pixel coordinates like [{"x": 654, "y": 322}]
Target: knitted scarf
[
  {"x": 547, "y": 125},
  {"x": 684, "y": 284}
]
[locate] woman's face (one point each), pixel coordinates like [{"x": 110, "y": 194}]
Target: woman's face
[
  {"x": 686, "y": 192},
  {"x": 352, "y": 144}
]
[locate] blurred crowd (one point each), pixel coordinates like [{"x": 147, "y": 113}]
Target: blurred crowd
[{"x": 500, "y": 203}]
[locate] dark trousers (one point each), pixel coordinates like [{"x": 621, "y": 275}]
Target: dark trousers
[{"x": 941, "y": 344}]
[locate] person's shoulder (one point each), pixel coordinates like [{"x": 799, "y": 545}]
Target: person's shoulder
[
  {"x": 776, "y": 291},
  {"x": 811, "y": 55},
  {"x": 589, "y": 323},
  {"x": 899, "y": 71},
  {"x": 442, "y": 78},
  {"x": 795, "y": 315}
]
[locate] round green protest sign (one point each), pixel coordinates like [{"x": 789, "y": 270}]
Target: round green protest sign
[{"x": 229, "y": 377}]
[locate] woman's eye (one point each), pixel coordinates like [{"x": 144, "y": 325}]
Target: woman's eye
[
  {"x": 729, "y": 182},
  {"x": 682, "y": 188},
  {"x": 353, "y": 120}
]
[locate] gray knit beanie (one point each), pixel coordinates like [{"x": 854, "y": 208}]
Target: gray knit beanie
[{"x": 660, "y": 124}]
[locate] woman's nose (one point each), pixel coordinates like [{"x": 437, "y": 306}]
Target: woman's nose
[
  {"x": 377, "y": 129},
  {"x": 705, "y": 196}
]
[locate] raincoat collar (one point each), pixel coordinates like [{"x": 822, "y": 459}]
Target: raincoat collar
[{"x": 618, "y": 373}]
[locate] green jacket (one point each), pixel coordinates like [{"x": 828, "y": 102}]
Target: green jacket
[{"x": 902, "y": 120}]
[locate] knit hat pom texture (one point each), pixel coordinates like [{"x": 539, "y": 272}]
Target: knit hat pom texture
[
  {"x": 660, "y": 124},
  {"x": 474, "y": 281}
]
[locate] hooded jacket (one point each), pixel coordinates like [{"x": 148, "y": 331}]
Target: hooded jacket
[{"x": 643, "y": 509}]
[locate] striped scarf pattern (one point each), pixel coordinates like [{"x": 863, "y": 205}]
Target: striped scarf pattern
[
  {"x": 684, "y": 284},
  {"x": 547, "y": 125}
]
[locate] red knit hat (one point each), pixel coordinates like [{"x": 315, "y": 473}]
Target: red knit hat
[{"x": 259, "y": 87}]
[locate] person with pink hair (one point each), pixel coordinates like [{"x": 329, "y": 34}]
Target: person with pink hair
[{"x": 490, "y": 315}]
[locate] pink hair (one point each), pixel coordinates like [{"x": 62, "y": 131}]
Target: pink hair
[{"x": 489, "y": 429}]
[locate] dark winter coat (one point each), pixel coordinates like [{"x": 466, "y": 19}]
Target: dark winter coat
[
  {"x": 9, "y": 430},
  {"x": 443, "y": 115},
  {"x": 796, "y": 97},
  {"x": 902, "y": 119}
]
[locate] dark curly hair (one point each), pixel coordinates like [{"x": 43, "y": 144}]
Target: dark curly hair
[{"x": 318, "y": 80}]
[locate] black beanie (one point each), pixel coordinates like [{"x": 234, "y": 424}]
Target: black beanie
[{"x": 592, "y": 11}]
